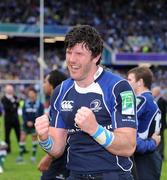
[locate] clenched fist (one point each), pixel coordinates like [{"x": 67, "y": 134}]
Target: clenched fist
[
  {"x": 42, "y": 127},
  {"x": 86, "y": 120}
]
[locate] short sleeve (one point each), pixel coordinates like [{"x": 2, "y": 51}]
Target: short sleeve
[
  {"x": 124, "y": 111},
  {"x": 54, "y": 110}
]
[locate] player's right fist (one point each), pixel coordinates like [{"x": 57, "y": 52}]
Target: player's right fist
[{"x": 42, "y": 127}]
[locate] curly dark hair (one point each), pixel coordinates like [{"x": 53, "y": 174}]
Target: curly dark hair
[{"x": 87, "y": 35}]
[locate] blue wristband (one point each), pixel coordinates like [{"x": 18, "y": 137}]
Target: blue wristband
[
  {"x": 47, "y": 144},
  {"x": 103, "y": 136}
]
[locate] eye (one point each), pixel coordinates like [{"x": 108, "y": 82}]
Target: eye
[{"x": 79, "y": 53}]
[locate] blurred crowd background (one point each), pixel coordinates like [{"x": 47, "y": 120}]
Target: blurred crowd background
[{"x": 128, "y": 26}]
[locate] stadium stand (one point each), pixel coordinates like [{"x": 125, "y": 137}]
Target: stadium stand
[
  {"x": 133, "y": 29},
  {"x": 125, "y": 30}
]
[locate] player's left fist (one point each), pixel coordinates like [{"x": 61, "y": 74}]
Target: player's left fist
[{"x": 86, "y": 120}]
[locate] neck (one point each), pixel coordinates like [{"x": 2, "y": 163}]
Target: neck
[
  {"x": 142, "y": 90},
  {"x": 89, "y": 80}
]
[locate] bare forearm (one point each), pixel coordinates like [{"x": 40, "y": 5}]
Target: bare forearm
[
  {"x": 121, "y": 142},
  {"x": 57, "y": 149},
  {"x": 122, "y": 145},
  {"x": 59, "y": 141}
]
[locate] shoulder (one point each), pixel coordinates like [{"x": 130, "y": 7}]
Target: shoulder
[
  {"x": 67, "y": 83},
  {"x": 63, "y": 86},
  {"x": 146, "y": 100},
  {"x": 140, "y": 101},
  {"x": 3, "y": 98},
  {"x": 111, "y": 77},
  {"x": 61, "y": 89},
  {"x": 141, "y": 98},
  {"x": 146, "y": 96},
  {"x": 112, "y": 80},
  {"x": 115, "y": 86}
]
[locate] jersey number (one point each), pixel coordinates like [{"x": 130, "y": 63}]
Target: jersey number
[{"x": 157, "y": 119}]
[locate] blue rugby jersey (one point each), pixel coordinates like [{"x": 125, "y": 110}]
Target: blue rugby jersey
[
  {"x": 113, "y": 102},
  {"x": 32, "y": 110},
  {"x": 149, "y": 121}
]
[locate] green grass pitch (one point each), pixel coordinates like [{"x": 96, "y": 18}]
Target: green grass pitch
[{"x": 28, "y": 171}]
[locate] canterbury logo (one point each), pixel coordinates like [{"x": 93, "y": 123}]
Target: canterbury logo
[{"x": 67, "y": 105}]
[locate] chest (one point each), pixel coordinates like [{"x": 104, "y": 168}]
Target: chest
[
  {"x": 74, "y": 100},
  {"x": 31, "y": 108}
]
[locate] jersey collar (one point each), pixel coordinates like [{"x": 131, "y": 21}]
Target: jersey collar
[{"x": 98, "y": 72}]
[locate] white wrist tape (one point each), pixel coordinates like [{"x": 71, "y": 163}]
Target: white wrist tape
[
  {"x": 47, "y": 145},
  {"x": 103, "y": 136}
]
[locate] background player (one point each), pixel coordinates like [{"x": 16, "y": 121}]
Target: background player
[
  {"x": 53, "y": 168},
  {"x": 147, "y": 158},
  {"x": 162, "y": 104},
  {"x": 31, "y": 110}
]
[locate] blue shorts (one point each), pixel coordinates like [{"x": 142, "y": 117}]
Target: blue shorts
[
  {"x": 102, "y": 176},
  {"x": 28, "y": 130}
]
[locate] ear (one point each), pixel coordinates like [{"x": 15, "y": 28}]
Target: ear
[
  {"x": 95, "y": 60},
  {"x": 140, "y": 81}
]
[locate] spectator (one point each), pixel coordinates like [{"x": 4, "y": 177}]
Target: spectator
[{"x": 10, "y": 104}]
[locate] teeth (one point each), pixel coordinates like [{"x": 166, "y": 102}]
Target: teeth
[{"x": 75, "y": 67}]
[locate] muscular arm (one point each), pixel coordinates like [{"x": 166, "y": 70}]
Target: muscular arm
[
  {"x": 124, "y": 142},
  {"x": 59, "y": 137},
  {"x": 123, "y": 120}
]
